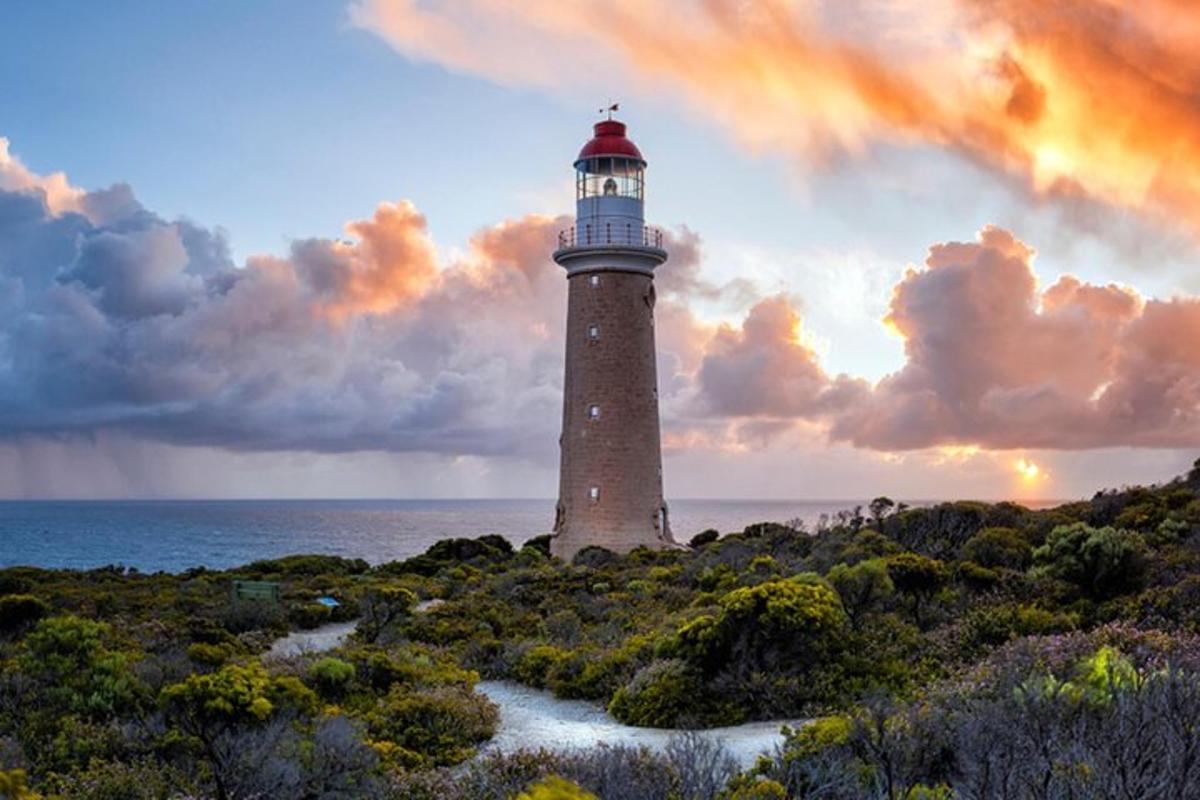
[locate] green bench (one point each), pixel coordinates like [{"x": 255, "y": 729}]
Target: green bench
[{"x": 258, "y": 591}]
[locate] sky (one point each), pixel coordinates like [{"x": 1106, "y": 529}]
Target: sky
[{"x": 926, "y": 249}]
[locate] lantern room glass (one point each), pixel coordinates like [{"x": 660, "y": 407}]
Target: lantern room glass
[{"x": 609, "y": 176}]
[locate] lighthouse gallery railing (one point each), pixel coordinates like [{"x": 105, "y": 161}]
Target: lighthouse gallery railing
[{"x": 610, "y": 234}]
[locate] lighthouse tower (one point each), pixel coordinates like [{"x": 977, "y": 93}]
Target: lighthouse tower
[{"x": 610, "y": 480}]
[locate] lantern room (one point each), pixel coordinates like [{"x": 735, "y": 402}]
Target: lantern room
[
  {"x": 609, "y": 165},
  {"x": 609, "y": 187}
]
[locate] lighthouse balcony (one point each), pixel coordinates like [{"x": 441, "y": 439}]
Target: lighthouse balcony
[
  {"x": 614, "y": 235},
  {"x": 616, "y": 246}
]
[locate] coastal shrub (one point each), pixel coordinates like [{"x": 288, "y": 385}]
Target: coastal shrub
[
  {"x": 994, "y": 625},
  {"x": 14, "y": 787},
  {"x": 19, "y": 611},
  {"x": 595, "y": 557},
  {"x": 76, "y": 669},
  {"x": 439, "y": 726},
  {"x": 863, "y": 587},
  {"x": 707, "y": 536},
  {"x": 784, "y": 624},
  {"x": 208, "y": 655},
  {"x": 141, "y": 779},
  {"x": 918, "y": 577},
  {"x": 762, "y": 530},
  {"x": 453, "y": 555},
  {"x": 668, "y": 694},
  {"x": 301, "y": 566},
  {"x": 999, "y": 547},
  {"x": 414, "y": 666},
  {"x": 555, "y": 788},
  {"x": 977, "y": 578},
  {"x": 381, "y": 608},
  {"x": 1103, "y": 562},
  {"x": 307, "y": 616},
  {"x": 331, "y": 677},
  {"x": 242, "y": 616},
  {"x": 867, "y": 545},
  {"x": 759, "y": 789},
  {"x": 536, "y": 663},
  {"x": 539, "y": 543},
  {"x": 235, "y": 694}
]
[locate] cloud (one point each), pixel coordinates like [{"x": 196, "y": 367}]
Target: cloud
[
  {"x": 765, "y": 369},
  {"x": 1043, "y": 92},
  {"x": 993, "y": 361},
  {"x": 117, "y": 323},
  {"x": 55, "y": 189}
]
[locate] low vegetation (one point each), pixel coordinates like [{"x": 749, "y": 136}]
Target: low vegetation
[{"x": 965, "y": 650}]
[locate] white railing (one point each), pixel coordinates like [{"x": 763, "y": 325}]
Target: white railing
[{"x": 608, "y": 233}]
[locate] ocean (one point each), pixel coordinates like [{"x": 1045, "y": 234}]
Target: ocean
[{"x": 174, "y": 535}]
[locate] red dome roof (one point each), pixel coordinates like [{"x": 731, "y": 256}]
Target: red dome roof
[{"x": 610, "y": 141}]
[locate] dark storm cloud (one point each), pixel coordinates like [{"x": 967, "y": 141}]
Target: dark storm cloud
[{"x": 117, "y": 319}]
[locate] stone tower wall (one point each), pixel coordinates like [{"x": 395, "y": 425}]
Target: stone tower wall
[{"x": 618, "y": 452}]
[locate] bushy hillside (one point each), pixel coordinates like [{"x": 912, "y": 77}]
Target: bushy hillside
[{"x": 964, "y": 650}]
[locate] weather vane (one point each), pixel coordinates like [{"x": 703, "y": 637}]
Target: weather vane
[{"x": 610, "y": 109}]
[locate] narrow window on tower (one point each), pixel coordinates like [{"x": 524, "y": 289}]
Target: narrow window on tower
[
  {"x": 594, "y": 280},
  {"x": 593, "y": 411},
  {"x": 594, "y": 494},
  {"x": 594, "y": 332}
]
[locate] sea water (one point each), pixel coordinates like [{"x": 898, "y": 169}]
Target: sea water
[{"x": 175, "y": 535}]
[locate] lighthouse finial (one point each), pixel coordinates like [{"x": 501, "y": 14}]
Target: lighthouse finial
[{"x": 611, "y": 108}]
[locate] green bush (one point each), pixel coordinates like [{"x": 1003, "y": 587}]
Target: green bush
[
  {"x": 862, "y": 587},
  {"x": 554, "y": 788},
  {"x": 14, "y": 787},
  {"x": 704, "y": 537},
  {"x": 999, "y": 547},
  {"x": 208, "y": 655},
  {"x": 771, "y": 648},
  {"x": 331, "y": 677},
  {"x": 18, "y": 611},
  {"x": 669, "y": 694},
  {"x": 1103, "y": 562},
  {"x": 236, "y": 694},
  {"x": 71, "y": 660},
  {"x": 440, "y": 726},
  {"x": 760, "y": 789},
  {"x": 535, "y": 664},
  {"x": 997, "y": 624},
  {"x": 918, "y": 577}
]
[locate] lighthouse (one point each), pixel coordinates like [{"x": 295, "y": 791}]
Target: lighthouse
[{"x": 610, "y": 477}]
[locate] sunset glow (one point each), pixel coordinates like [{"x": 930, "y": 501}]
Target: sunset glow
[
  {"x": 1028, "y": 470},
  {"x": 907, "y": 240}
]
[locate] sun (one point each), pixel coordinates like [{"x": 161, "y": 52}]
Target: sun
[{"x": 1028, "y": 470}]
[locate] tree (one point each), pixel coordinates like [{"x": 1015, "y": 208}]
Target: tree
[
  {"x": 999, "y": 547},
  {"x": 880, "y": 507},
  {"x": 862, "y": 586},
  {"x": 918, "y": 577},
  {"x": 1103, "y": 562},
  {"x": 216, "y": 707},
  {"x": 381, "y": 608}
]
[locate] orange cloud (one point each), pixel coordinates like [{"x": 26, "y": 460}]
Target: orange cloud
[
  {"x": 59, "y": 195},
  {"x": 993, "y": 361},
  {"x": 1092, "y": 98}
]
